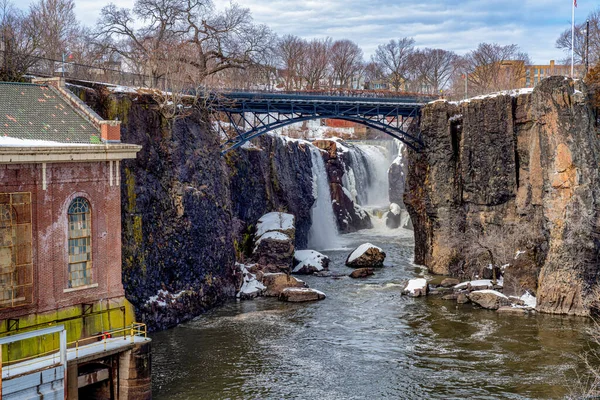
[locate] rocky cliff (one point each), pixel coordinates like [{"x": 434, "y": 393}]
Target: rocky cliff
[
  {"x": 511, "y": 183},
  {"x": 178, "y": 253},
  {"x": 274, "y": 174}
]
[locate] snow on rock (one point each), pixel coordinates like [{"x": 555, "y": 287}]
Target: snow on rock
[
  {"x": 273, "y": 235},
  {"x": 395, "y": 209},
  {"x": 300, "y": 295},
  {"x": 529, "y": 300},
  {"x": 416, "y": 287},
  {"x": 489, "y": 299},
  {"x": 309, "y": 261},
  {"x": 477, "y": 284},
  {"x": 275, "y": 221},
  {"x": 360, "y": 250},
  {"x": 163, "y": 298},
  {"x": 251, "y": 287},
  {"x": 512, "y": 93},
  {"x": 366, "y": 255}
]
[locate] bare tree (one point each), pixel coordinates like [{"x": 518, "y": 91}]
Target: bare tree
[
  {"x": 394, "y": 57},
  {"x": 346, "y": 59},
  {"x": 316, "y": 62},
  {"x": 19, "y": 42},
  {"x": 493, "y": 67},
  {"x": 183, "y": 36},
  {"x": 372, "y": 72},
  {"x": 564, "y": 40},
  {"x": 290, "y": 51},
  {"x": 433, "y": 69},
  {"x": 57, "y": 24}
]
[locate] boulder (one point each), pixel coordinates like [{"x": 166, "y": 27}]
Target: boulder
[
  {"x": 361, "y": 273},
  {"x": 393, "y": 218},
  {"x": 274, "y": 251},
  {"x": 416, "y": 287},
  {"x": 489, "y": 299},
  {"x": 299, "y": 295},
  {"x": 276, "y": 282},
  {"x": 462, "y": 298},
  {"x": 251, "y": 286},
  {"x": 307, "y": 262},
  {"x": 449, "y": 282},
  {"x": 366, "y": 255},
  {"x": 451, "y": 296}
]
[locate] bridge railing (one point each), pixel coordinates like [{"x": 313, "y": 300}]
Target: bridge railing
[{"x": 338, "y": 92}]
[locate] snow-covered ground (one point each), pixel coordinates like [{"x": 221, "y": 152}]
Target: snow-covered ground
[{"x": 274, "y": 221}]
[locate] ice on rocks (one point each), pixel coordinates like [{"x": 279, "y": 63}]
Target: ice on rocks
[
  {"x": 274, "y": 235},
  {"x": 395, "y": 209}
]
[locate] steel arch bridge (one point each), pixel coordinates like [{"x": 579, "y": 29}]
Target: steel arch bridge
[{"x": 250, "y": 115}]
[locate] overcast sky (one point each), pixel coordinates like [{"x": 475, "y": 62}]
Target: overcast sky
[{"x": 457, "y": 25}]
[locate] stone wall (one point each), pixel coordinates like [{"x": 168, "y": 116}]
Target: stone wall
[{"x": 517, "y": 175}]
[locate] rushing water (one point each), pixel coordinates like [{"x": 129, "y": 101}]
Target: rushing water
[
  {"x": 366, "y": 341},
  {"x": 323, "y": 232}
]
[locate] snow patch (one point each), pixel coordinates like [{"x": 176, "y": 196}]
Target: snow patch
[
  {"x": 7, "y": 141},
  {"x": 273, "y": 235},
  {"x": 274, "y": 221},
  {"x": 415, "y": 284},
  {"x": 529, "y": 300},
  {"x": 395, "y": 209},
  {"x": 479, "y": 282},
  {"x": 309, "y": 258}
]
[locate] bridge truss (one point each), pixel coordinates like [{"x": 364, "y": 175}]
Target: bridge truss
[{"x": 248, "y": 115}]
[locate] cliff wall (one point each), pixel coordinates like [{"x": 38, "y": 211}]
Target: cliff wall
[
  {"x": 512, "y": 181},
  {"x": 274, "y": 174},
  {"x": 178, "y": 253}
]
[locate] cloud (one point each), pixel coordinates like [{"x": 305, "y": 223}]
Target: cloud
[{"x": 457, "y": 25}]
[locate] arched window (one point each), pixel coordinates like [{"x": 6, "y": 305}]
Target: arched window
[{"x": 80, "y": 243}]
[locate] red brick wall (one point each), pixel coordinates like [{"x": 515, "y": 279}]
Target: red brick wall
[
  {"x": 340, "y": 123},
  {"x": 65, "y": 181}
]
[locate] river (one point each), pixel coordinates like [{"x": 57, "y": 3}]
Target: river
[{"x": 366, "y": 341}]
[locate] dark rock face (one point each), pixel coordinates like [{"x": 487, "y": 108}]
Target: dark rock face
[
  {"x": 276, "y": 175},
  {"x": 349, "y": 217},
  {"x": 176, "y": 215},
  {"x": 397, "y": 180},
  {"x": 516, "y": 173}
]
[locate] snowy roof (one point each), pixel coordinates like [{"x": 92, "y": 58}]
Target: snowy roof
[{"x": 39, "y": 112}]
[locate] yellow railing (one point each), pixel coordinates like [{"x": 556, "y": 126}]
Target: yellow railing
[{"x": 127, "y": 333}]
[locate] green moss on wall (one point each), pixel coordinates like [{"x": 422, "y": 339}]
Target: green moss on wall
[{"x": 107, "y": 316}]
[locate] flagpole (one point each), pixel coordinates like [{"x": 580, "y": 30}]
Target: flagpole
[{"x": 573, "y": 38}]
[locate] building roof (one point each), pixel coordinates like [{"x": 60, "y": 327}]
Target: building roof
[{"x": 40, "y": 112}]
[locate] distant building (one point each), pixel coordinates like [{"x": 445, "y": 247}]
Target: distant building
[
  {"x": 535, "y": 73},
  {"x": 60, "y": 236}
]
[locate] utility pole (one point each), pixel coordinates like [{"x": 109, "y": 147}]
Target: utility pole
[{"x": 587, "y": 47}]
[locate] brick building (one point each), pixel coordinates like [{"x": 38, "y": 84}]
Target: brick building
[{"x": 60, "y": 218}]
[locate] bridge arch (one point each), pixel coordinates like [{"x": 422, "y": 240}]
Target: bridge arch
[{"x": 252, "y": 115}]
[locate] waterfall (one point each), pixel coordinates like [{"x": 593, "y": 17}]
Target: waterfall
[
  {"x": 323, "y": 232},
  {"x": 366, "y": 177},
  {"x": 377, "y": 164}
]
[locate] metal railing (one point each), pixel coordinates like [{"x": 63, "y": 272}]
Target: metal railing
[{"x": 127, "y": 333}]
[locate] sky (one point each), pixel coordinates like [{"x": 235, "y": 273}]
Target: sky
[{"x": 457, "y": 25}]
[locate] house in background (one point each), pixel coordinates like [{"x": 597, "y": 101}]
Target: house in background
[{"x": 60, "y": 247}]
